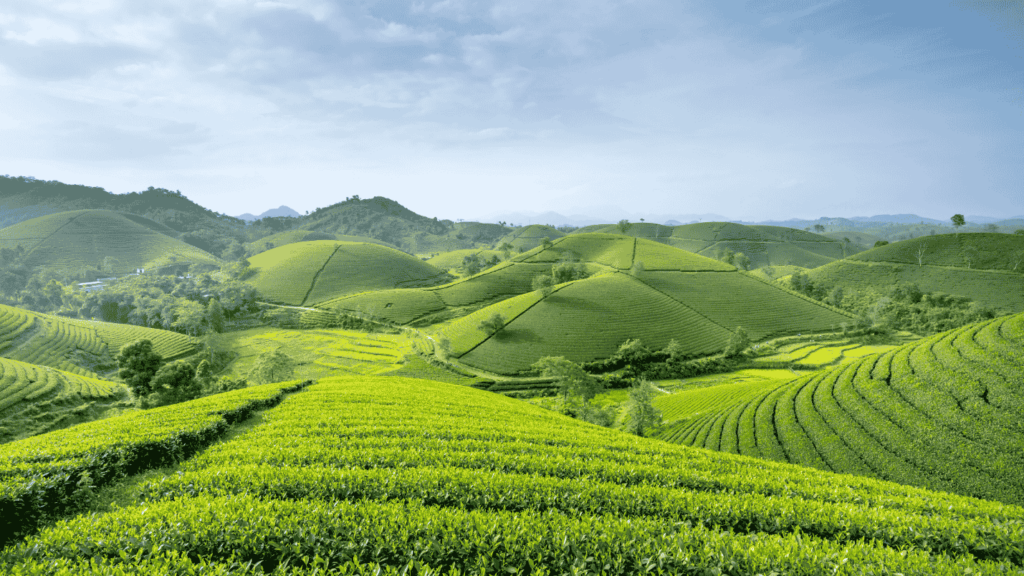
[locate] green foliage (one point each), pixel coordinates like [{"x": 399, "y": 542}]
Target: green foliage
[
  {"x": 881, "y": 243},
  {"x": 623, "y": 226},
  {"x": 173, "y": 382},
  {"x": 271, "y": 366},
  {"x": 641, "y": 415},
  {"x": 958, "y": 220},
  {"x": 741, "y": 261},
  {"x": 738, "y": 343},
  {"x": 544, "y": 283},
  {"x": 38, "y": 475},
  {"x": 137, "y": 364},
  {"x": 572, "y": 381},
  {"x": 492, "y": 324},
  {"x": 215, "y": 315}
]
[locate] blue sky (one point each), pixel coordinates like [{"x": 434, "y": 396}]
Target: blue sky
[{"x": 474, "y": 109}]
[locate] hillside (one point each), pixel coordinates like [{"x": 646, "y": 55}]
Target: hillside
[
  {"x": 943, "y": 413},
  {"x": 307, "y": 273},
  {"x": 529, "y": 237},
  {"x": 24, "y": 199},
  {"x": 340, "y": 476},
  {"x": 82, "y": 347},
  {"x": 35, "y": 399},
  {"x": 986, "y": 268},
  {"x": 292, "y": 236},
  {"x": 764, "y": 245},
  {"x": 118, "y": 243}
]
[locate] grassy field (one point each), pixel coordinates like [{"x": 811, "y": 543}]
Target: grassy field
[
  {"x": 390, "y": 475},
  {"x": 976, "y": 251},
  {"x": 307, "y": 273},
  {"x": 36, "y": 399},
  {"x": 119, "y": 242},
  {"x": 81, "y": 347},
  {"x": 943, "y": 413}
]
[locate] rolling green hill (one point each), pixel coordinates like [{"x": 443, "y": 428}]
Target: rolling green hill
[
  {"x": 35, "y": 399},
  {"x": 82, "y": 347},
  {"x": 945, "y": 413},
  {"x": 293, "y": 236},
  {"x": 401, "y": 476},
  {"x": 119, "y": 242},
  {"x": 453, "y": 259},
  {"x": 764, "y": 245},
  {"x": 986, "y": 268},
  {"x": 306, "y": 273},
  {"x": 529, "y": 237}
]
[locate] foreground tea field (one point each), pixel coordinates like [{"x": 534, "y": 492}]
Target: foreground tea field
[
  {"x": 388, "y": 476},
  {"x": 945, "y": 413}
]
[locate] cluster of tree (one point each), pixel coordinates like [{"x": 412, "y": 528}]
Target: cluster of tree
[
  {"x": 577, "y": 388},
  {"x": 900, "y": 307},
  {"x": 474, "y": 264},
  {"x": 192, "y": 305},
  {"x": 737, "y": 259},
  {"x": 634, "y": 360},
  {"x": 565, "y": 270},
  {"x": 156, "y": 383}
]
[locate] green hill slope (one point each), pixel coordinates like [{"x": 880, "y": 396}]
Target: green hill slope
[
  {"x": 944, "y": 413},
  {"x": 293, "y": 236},
  {"x": 34, "y": 399},
  {"x": 120, "y": 242},
  {"x": 529, "y": 237},
  {"x": 994, "y": 277},
  {"x": 82, "y": 347},
  {"x": 764, "y": 245},
  {"x": 391, "y": 475},
  {"x": 307, "y": 273}
]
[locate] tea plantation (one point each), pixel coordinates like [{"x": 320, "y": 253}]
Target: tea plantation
[
  {"x": 119, "y": 242},
  {"x": 307, "y": 273},
  {"x": 945, "y": 413},
  {"x": 399, "y": 476}
]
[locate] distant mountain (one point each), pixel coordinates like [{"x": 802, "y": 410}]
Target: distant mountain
[
  {"x": 280, "y": 212},
  {"x": 898, "y": 219}
]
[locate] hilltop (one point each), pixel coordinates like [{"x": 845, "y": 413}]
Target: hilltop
[
  {"x": 115, "y": 242},
  {"x": 943, "y": 413},
  {"x": 986, "y": 268},
  {"x": 307, "y": 273},
  {"x": 763, "y": 245}
]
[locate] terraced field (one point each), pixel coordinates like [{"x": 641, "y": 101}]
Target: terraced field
[
  {"x": 453, "y": 259},
  {"x": 82, "y": 347},
  {"x": 120, "y": 242},
  {"x": 819, "y": 354},
  {"x": 945, "y": 413},
  {"x": 293, "y": 236},
  {"x": 400, "y": 476},
  {"x": 307, "y": 273},
  {"x": 529, "y": 237},
  {"x": 34, "y": 398},
  {"x": 990, "y": 280}
]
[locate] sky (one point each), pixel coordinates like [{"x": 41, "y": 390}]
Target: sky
[{"x": 460, "y": 109}]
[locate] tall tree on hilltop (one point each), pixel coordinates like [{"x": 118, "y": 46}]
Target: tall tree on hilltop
[{"x": 958, "y": 221}]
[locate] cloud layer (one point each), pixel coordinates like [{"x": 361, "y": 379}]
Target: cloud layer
[{"x": 462, "y": 109}]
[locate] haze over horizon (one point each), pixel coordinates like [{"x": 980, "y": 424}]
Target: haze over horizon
[{"x": 456, "y": 109}]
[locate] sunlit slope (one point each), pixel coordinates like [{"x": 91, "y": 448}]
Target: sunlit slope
[
  {"x": 455, "y": 258},
  {"x": 293, "y": 236},
  {"x": 597, "y": 252},
  {"x": 34, "y": 398},
  {"x": 987, "y": 268},
  {"x": 945, "y": 413},
  {"x": 390, "y": 475},
  {"x": 588, "y": 319},
  {"x": 764, "y": 245},
  {"x": 306, "y": 273},
  {"x": 82, "y": 347},
  {"x": 118, "y": 242},
  {"x": 529, "y": 237}
]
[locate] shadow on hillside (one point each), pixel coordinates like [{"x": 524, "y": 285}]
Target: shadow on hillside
[{"x": 516, "y": 336}]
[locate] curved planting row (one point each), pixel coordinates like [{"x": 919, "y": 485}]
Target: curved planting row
[
  {"x": 390, "y": 475},
  {"x": 946, "y": 413},
  {"x": 40, "y": 476}
]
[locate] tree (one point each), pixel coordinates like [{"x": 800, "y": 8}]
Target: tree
[
  {"x": 637, "y": 270},
  {"x": 819, "y": 228},
  {"x": 174, "y": 382},
  {"x": 471, "y": 264},
  {"x": 544, "y": 283},
  {"x": 641, "y": 415},
  {"x": 674, "y": 350},
  {"x": 958, "y": 221},
  {"x": 215, "y": 315},
  {"x": 491, "y": 325},
  {"x": 573, "y": 380},
  {"x": 204, "y": 373},
  {"x": 835, "y": 297},
  {"x": 137, "y": 364},
  {"x": 506, "y": 249},
  {"x": 271, "y": 366},
  {"x": 738, "y": 342},
  {"x": 545, "y": 243},
  {"x": 623, "y": 226},
  {"x": 632, "y": 352},
  {"x": 741, "y": 261},
  {"x": 921, "y": 248},
  {"x": 881, "y": 243},
  {"x": 725, "y": 255},
  {"x": 189, "y": 317}
]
